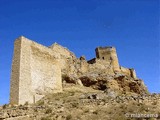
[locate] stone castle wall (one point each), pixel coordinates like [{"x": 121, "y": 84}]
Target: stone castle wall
[
  {"x": 129, "y": 72},
  {"x": 125, "y": 71},
  {"x": 35, "y": 72},
  {"x": 14, "y": 85},
  {"x": 65, "y": 56}
]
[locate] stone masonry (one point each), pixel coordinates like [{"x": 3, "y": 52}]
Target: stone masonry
[
  {"x": 108, "y": 54},
  {"x": 37, "y": 70}
]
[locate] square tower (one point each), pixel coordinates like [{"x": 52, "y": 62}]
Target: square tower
[
  {"x": 109, "y": 54},
  {"x": 35, "y": 72}
]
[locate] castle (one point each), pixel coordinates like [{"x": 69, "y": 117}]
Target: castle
[{"x": 37, "y": 70}]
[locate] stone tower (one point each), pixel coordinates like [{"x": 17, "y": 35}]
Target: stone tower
[
  {"x": 108, "y": 54},
  {"x": 35, "y": 72}
]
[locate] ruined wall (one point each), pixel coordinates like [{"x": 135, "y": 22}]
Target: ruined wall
[
  {"x": 125, "y": 71},
  {"x": 83, "y": 66},
  {"x": 133, "y": 73},
  {"x": 66, "y": 58},
  {"x": 35, "y": 72},
  {"x": 64, "y": 52},
  {"x": 101, "y": 66},
  {"x": 129, "y": 72},
  {"x": 68, "y": 62}
]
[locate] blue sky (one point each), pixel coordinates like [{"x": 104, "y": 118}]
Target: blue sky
[{"x": 132, "y": 26}]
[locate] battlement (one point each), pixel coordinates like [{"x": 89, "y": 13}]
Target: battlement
[
  {"x": 103, "y": 52},
  {"x": 106, "y": 48}
]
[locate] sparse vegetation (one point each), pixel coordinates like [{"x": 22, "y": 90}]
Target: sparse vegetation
[
  {"x": 41, "y": 102},
  {"x": 49, "y": 110},
  {"x": 26, "y": 103},
  {"x": 46, "y": 118},
  {"x": 4, "y": 106},
  {"x": 95, "y": 112},
  {"x": 75, "y": 105},
  {"x": 69, "y": 117},
  {"x": 154, "y": 103},
  {"x": 69, "y": 106},
  {"x": 86, "y": 110}
]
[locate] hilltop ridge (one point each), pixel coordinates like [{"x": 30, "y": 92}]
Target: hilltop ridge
[{"x": 50, "y": 83}]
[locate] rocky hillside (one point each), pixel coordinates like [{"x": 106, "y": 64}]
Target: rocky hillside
[
  {"x": 98, "y": 89},
  {"x": 84, "y": 103}
]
